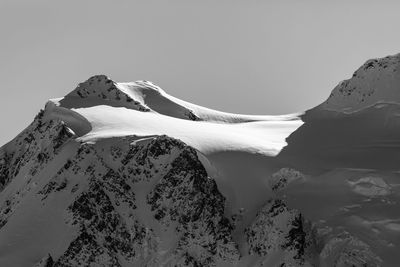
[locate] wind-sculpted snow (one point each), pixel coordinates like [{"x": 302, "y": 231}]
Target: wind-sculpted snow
[
  {"x": 153, "y": 97},
  {"x": 101, "y": 108}
]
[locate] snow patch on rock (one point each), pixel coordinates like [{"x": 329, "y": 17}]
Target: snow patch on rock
[{"x": 370, "y": 186}]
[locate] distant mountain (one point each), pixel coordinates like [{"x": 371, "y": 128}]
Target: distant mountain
[
  {"x": 375, "y": 82},
  {"x": 358, "y": 126},
  {"x": 123, "y": 174}
]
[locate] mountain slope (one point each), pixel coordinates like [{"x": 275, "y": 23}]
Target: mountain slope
[
  {"x": 119, "y": 191},
  {"x": 116, "y": 202},
  {"x": 123, "y": 174},
  {"x": 358, "y": 125},
  {"x": 349, "y": 146}
]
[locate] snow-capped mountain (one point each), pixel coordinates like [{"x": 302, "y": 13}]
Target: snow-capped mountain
[
  {"x": 123, "y": 174},
  {"x": 376, "y": 81},
  {"x": 358, "y": 126}
]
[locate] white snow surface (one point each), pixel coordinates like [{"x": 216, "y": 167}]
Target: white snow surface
[
  {"x": 215, "y": 131},
  {"x": 158, "y": 100},
  {"x": 265, "y": 137}
]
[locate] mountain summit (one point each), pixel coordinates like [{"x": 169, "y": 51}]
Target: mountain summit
[
  {"x": 124, "y": 174},
  {"x": 376, "y": 81}
]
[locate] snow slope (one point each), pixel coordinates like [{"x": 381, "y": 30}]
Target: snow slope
[
  {"x": 349, "y": 146},
  {"x": 358, "y": 126},
  {"x": 102, "y": 108}
]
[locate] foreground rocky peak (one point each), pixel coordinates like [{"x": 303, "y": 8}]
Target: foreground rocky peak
[{"x": 98, "y": 186}]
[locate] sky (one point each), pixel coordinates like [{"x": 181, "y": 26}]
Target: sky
[{"x": 252, "y": 57}]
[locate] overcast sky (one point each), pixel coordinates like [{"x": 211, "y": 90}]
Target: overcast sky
[{"x": 248, "y": 56}]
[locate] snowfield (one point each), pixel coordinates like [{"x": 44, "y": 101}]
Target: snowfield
[
  {"x": 264, "y": 137},
  {"x": 207, "y": 130}
]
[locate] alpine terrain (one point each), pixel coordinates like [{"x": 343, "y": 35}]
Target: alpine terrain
[{"x": 123, "y": 174}]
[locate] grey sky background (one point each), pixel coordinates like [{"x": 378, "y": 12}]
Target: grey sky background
[{"x": 253, "y": 56}]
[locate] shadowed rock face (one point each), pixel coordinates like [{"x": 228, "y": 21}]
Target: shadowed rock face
[
  {"x": 183, "y": 198},
  {"x": 4, "y": 170},
  {"x": 37, "y": 144},
  {"x": 277, "y": 227}
]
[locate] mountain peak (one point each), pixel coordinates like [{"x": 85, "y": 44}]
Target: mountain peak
[
  {"x": 97, "y": 85},
  {"x": 101, "y": 85},
  {"x": 99, "y": 90},
  {"x": 376, "y": 81}
]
